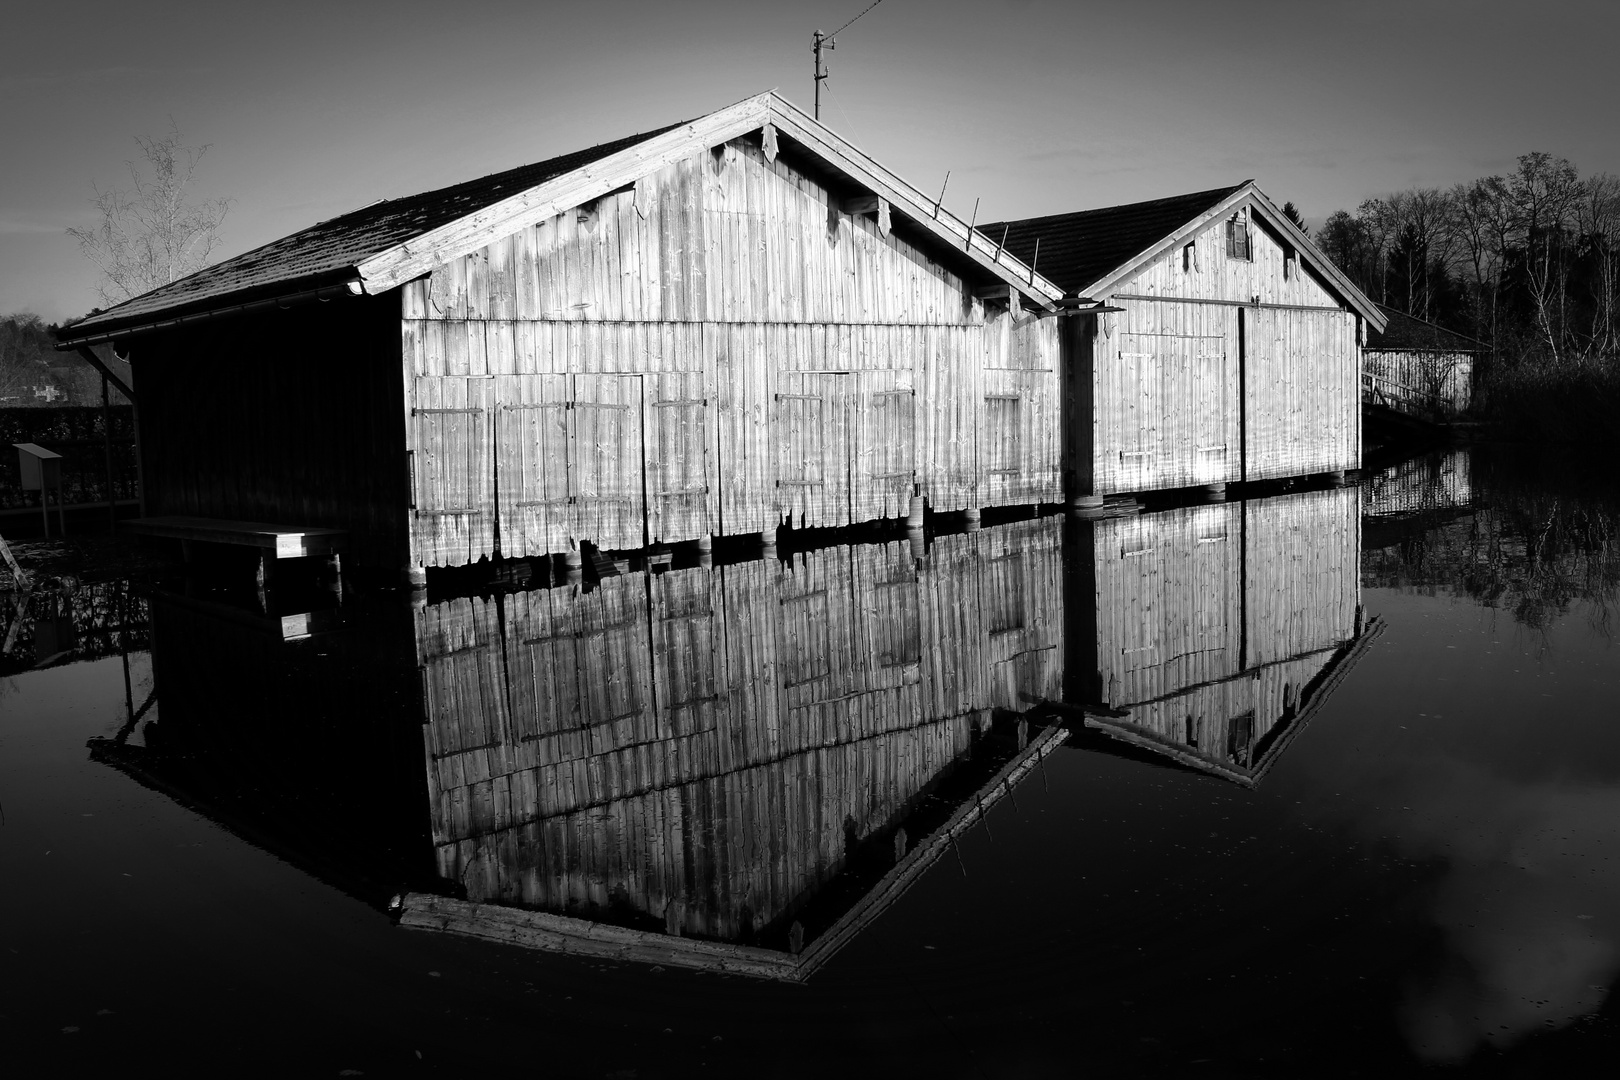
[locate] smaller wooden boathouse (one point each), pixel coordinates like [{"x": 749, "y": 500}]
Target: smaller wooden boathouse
[
  {"x": 717, "y": 327},
  {"x": 1417, "y": 368},
  {"x": 1218, "y": 345}
]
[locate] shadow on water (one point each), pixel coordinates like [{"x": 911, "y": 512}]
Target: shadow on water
[{"x": 743, "y": 767}]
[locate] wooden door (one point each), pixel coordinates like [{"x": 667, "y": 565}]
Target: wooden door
[
  {"x": 605, "y": 461},
  {"x": 1215, "y": 459},
  {"x": 1137, "y": 409},
  {"x": 452, "y": 472},
  {"x": 531, "y": 447},
  {"x": 883, "y": 457},
  {"x": 679, "y": 497},
  {"x": 813, "y": 436}
]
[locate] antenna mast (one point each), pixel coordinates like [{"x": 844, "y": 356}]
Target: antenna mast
[{"x": 819, "y": 41}]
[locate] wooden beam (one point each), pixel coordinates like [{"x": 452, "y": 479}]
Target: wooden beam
[
  {"x": 96, "y": 362},
  {"x": 423, "y": 253},
  {"x": 908, "y": 200}
]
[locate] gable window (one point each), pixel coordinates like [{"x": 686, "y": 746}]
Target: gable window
[
  {"x": 1189, "y": 258},
  {"x": 1237, "y": 238}
]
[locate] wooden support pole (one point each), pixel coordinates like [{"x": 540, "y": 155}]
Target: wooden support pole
[
  {"x": 106, "y": 446},
  {"x": 971, "y": 518}
]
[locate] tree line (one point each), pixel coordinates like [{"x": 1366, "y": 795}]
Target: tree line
[{"x": 1528, "y": 263}]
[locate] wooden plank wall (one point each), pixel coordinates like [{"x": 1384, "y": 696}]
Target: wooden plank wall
[
  {"x": 1212, "y": 619},
  {"x": 290, "y": 417},
  {"x": 791, "y": 363},
  {"x": 1303, "y": 393},
  {"x": 1423, "y": 381},
  {"x": 1170, "y": 379},
  {"x": 712, "y": 739}
]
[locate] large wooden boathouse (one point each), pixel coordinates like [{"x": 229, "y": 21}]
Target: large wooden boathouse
[
  {"x": 718, "y": 327},
  {"x": 1224, "y": 346}
]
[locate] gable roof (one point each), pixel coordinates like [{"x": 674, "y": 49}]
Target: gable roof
[
  {"x": 1093, "y": 251},
  {"x": 1403, "y": 333},
  {"x": 381, "y": 246},
  {"x": 1079, "y": 248}
]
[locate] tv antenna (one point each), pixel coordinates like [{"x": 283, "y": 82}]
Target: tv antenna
[{"x": 819, "y": 41}]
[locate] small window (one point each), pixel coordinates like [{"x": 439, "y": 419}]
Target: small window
[
  {"x": 1290, "y": 264},
  {"x": 1189, "y": 258},
  {"x": 1237, "y": 239}
]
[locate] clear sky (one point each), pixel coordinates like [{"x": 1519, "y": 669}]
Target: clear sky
[{"x": 1035, "y": 107}]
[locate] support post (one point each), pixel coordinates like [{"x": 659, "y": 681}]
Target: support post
[{"x": 106, "y": 446}]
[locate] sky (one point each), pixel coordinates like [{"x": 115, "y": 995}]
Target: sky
[{"x": 311, "y": 110}]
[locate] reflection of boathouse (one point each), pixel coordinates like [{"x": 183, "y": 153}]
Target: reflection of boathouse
[
  {"x": 702, "y": 751},
  {"x": 1217, "y": 627},
  {"x": 739, "y": 766}
]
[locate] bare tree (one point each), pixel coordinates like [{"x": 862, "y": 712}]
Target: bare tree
[
  {"x": 153, "y": 232},
  {"x": 1482, "y": 222},
  {"x": 1545, "y": 191},
  {"x": 1597, "y": 223}
]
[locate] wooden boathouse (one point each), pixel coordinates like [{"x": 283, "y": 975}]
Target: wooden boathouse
[
  {"x": 714, "y": 328},
  {"x": 1218, "y": 344},
  {"x": 1419, "y": 369}
]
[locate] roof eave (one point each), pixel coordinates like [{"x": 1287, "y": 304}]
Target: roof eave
[
  {"x": 1247, "y": 192},
  {"x": 422, "y": 254}
]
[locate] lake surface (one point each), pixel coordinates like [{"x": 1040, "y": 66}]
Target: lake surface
[{"x": 1325, "y": 782}]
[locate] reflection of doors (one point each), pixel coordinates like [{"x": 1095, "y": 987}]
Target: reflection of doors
[{"x": 451, "y": 471}]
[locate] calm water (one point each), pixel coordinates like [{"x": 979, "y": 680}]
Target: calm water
[{"x": 1321, "y": 783}]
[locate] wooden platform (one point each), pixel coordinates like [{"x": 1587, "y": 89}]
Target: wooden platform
[{"x": 274, "y": 541}]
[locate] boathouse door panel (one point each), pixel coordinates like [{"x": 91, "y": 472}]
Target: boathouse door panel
[
  {"x": 531, "y": 439},
  {"x": 679, "y": 496},
  {"x": 813, "y": 469},
  {"x": 1135, "y": 413},
  {"x": 605, "y": 461},
  {"x": 1210, "y": 411},
  {"x": 1302, "y": 406},
  {"x": 883, "y": 459},
  {"x": 452, "y": 471}
]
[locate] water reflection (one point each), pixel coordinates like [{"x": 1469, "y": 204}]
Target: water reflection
[
  {"x": 1509, "y": 759},
  {"x": 739, "y": 767},
  {"x": 702, "y": 753},
  {"x": 1215, "y": 631}
]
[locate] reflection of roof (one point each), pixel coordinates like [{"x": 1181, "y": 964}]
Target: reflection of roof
[
  {"x": 1405, "y": 333},
  {"x": 1079, "y": 248},
  {"x": 565, "y": 934},
  {"x": 1268, "y": 748}
]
